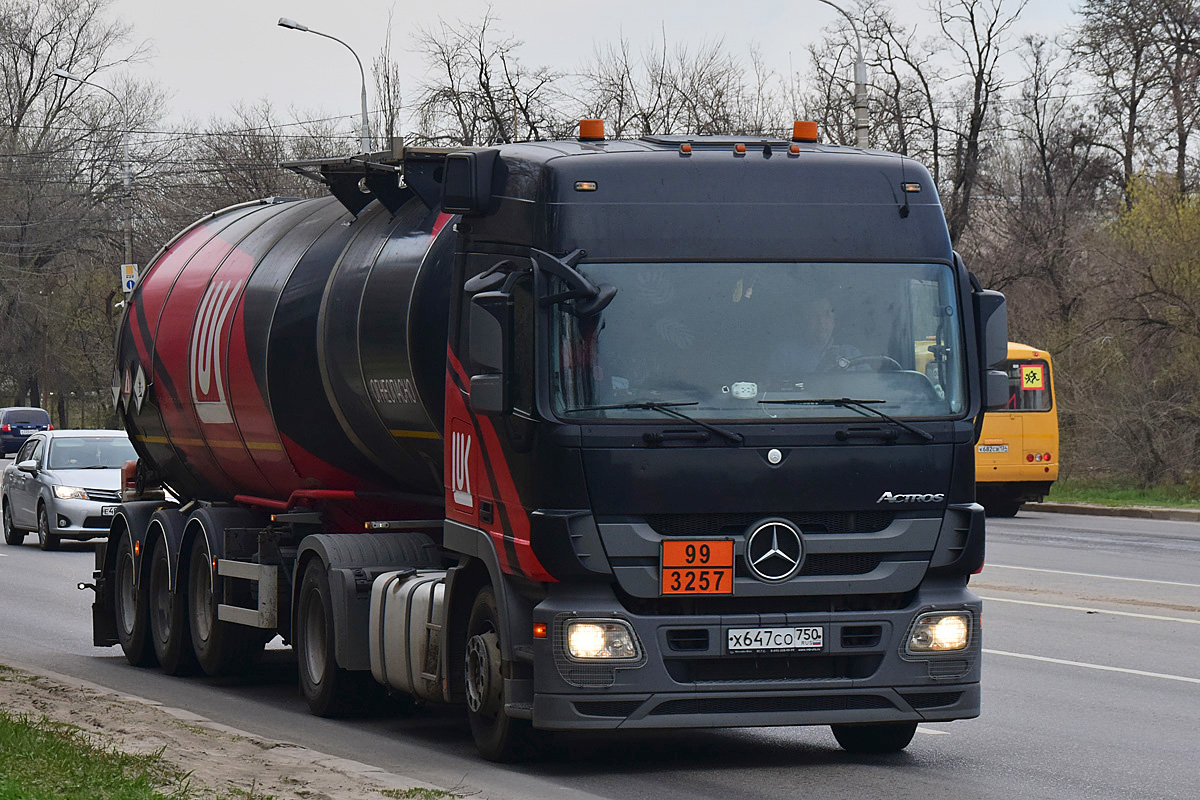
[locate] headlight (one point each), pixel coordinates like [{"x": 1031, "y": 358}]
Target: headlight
[
  {"x": 610, "y": 640},
  {"x": 70, "y": 493},
  {"x": 940, "y": 632}
]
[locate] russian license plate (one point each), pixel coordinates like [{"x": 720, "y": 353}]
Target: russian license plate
[
  {"x": 697, "y": 566},
  {"x": 108, "y": 511},
  {"x": 775, "y": 640},
  {"x": 25, "y": 431},
  {"x": 993, "y": 448}
]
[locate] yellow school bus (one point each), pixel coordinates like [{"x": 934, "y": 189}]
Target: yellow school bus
[{"x": 1016, "y": 458}]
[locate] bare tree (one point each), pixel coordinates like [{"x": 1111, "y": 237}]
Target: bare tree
[
  {"x": 977, "y": 30},
  {"x": 60, "y": 166},
  {"x": 480, "y": 92},
  {"x": 1116, "y": 40}
]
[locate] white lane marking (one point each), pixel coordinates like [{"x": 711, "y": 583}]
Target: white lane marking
[
  {"x": 1093, "y": 666},
  {"x": 932, "y": 731},
  {"x": 1090, "y": 610},
  {"x": 1091, "y": 575}
]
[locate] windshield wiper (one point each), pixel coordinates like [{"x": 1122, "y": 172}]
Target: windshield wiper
[
  {"x": 669, "y": 410},
  {"x": 857, "y": 405}
]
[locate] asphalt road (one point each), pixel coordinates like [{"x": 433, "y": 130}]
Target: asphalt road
[{"x": 1091, "y": 690}]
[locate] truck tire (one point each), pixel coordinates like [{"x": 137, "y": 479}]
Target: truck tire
[
  {"x": 12, "y": 534},
  {"x": 130, "y": 604},
  {"x": 877, "y": 738},
  {"x": 498, "y": 736},
  {"x": 221, "y": 648},
  {"x": 330, "y": 690},
  {"x": 168, "y": 616}
]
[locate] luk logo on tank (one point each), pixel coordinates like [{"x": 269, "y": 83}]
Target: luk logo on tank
[
  {"x": 208, "y": 387},
  {"x": 460, "y": 471}
]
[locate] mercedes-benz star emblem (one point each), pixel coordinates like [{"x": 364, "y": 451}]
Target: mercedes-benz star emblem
[{"x": 774, "y": 550}]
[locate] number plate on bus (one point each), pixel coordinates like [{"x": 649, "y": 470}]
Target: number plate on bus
[
  {"x": 775, "y": 640},
  {"x": 697, "y": 566},
  {"x": 993, "y": 448}
]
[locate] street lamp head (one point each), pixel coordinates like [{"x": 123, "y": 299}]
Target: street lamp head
[
  {"x": 284, "y": 22},
  {"x": 62, "y": 73}
]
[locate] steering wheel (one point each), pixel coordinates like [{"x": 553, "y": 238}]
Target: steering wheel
[{"x": 879, "y": 363}]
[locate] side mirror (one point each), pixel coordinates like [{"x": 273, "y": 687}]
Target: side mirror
[
  {"x": 991, "y": 315},
  {"x": 991, "y": 312},
  {"x": 491, "y": 326},
  {"x": 467, "y": 187},
  {"x": 29, "y": 466}
]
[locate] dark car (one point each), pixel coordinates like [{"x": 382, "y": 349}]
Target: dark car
[{"x": 17, "y": 423}]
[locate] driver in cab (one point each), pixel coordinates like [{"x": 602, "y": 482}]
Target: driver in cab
[{"x": 812, "y": 349}]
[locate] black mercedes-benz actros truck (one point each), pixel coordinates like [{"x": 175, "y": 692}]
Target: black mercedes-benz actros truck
[{"x": 673, "y": 432}]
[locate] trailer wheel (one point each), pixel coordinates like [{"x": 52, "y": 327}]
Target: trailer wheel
[
  {"x": 330, "y": 690},
  {"x": 879, "y": 737},
  {"x": 221, "y": 648},
  {"x": 498, "y": 736},
  {"x": 130, "y": 605},
  {"x": 168, "y": 617}
]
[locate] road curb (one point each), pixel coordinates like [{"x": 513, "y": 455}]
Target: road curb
[
  {"x": 1137, "y": 512},
  {"x": 279, "y": 751}
]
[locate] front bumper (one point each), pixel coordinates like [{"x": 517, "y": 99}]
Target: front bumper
[
  {"x": 685, "y": 679},
  {"x": 79, "y": 519}
]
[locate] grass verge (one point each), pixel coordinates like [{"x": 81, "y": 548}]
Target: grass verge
[
  {"x": 1104, "y": 493},
  {"x": 44, "y": 760}
]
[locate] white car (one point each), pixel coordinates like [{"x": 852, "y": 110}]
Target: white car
[{"x": 64, "y": 485}]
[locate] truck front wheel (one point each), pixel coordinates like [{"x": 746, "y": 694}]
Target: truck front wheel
[
  {"x": 878, "y": 737},
  {"x": 330, "y": 690},
  {"x": 498, "y": 736},
  {"x": 130, "y": 602}
]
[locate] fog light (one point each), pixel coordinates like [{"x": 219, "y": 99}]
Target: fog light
[
  {"x": 940, "y": 632},
  {"x": 610, "y": 640}
]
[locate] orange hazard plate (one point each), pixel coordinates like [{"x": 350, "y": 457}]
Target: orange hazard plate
[{"x": 697, "y": 566}]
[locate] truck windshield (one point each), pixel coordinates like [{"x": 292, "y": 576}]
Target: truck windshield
[{"x": 723, "y": 336}]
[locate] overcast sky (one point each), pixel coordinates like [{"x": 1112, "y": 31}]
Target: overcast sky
[{"x": 218, "y": 52}]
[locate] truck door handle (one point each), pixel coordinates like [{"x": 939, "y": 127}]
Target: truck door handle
[{"x": 485, "y": 511}]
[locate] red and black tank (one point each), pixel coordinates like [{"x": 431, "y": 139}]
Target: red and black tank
[{"x": 289, "y": 346}]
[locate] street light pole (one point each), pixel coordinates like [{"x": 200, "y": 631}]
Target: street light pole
[
  {"x": 365, "y": 141},
  {"x": 128, "y": 178},
  {"x": 861, "y": 124}
]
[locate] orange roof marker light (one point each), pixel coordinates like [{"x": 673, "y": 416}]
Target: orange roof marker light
[
  {"x": 739, "y": 149},
  {"x": 804, "y": 131},
  {"x": 591, "y": 129},
  {"x": 685, "y": 148}
]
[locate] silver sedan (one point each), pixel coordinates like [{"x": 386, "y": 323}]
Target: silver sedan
[{"x": 64, "y": 485}]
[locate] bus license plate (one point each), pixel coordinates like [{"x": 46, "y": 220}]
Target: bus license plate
[
  {"x": 697, "y": 566},
  {"x": 775, "y": 640},
  {"x": 108, "y": 511},
  {"x": 993, "y": 448}
]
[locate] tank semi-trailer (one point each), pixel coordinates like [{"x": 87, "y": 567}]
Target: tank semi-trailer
[{"x": 583, "y": 435}]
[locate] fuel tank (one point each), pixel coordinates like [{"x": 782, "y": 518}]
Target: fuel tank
[{"x": 287, "y": 344}]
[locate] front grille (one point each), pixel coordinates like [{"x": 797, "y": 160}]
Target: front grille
[
  {"x": 736, "y": 523},
  {"x": 751, "y": 705},
  {"x": 932, "y": 699},
  {"x": 840, "y": 564},
  {"x": 687, "y": 639},
  {"x": 796, "y": 604},
  {"x": 861, "y": 635},
  {"x": 97, "y": 522},
  {"x": 778, "y": 668},
  {"x": 607, "y": 708},
  {"x": 104, "y": 495}
]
